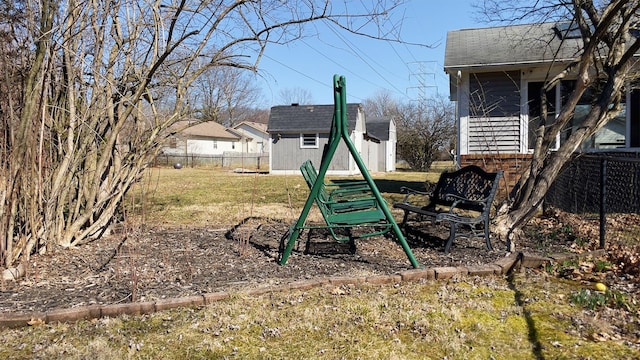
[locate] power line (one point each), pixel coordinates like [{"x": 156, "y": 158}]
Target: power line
[
  {"x": 323, "y": 83},
  {"x": 400, "y": 57},
  {"x": 337, "y": 63},
  {"x": 296, "y": 71},
  {"x": 357, "y": 52}
]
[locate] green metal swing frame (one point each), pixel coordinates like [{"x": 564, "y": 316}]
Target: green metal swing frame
[{"x": 347, "y": 209}]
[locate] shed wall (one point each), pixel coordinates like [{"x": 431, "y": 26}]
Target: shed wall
[{"x": 287, "y": 154}]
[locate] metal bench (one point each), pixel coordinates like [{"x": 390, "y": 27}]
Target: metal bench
[{"x": 461, "y": 197}]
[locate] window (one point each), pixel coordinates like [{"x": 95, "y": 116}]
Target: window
[
  {"x": 215, "y": 144},
  {"x": 611, "y": 135},
  {"x": 233, "y": 145},
  {"x": 634, "y": 118},
  {"x": 173, "y": 142},
  {"x": 534, "y": 94},
  {"x": 494, "y": 94},
  {"x": 309, "y": 141}
]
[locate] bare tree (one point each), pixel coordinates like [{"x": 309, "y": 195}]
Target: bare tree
[
  {"x": 381, "y": 104},
  {"x": 604, "y": 66},
  {"x": 253, "y": 114},
  {"x": 225, "y": 95},
  {"x": 424, "y": 129},
  {"x": 296, "y": 95},
  {"x": 90, "y": 88}
]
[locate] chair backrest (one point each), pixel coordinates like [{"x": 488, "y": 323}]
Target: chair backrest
[
  {"x": 470, "y": 182},
  {"x": 310, "y": 175}
]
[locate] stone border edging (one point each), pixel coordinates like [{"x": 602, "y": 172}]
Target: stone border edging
[{"x": 500, "y": 267}]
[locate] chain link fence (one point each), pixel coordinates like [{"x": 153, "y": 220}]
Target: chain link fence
[
  {"x": 604, "y": 188},
  {"x": 228, "y": 160}
]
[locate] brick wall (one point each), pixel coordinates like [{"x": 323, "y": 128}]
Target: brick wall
[{"x": 511, "y": 164}]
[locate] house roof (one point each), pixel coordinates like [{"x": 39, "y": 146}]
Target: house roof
[
  {"x": 378, "y": 127},
  {"x": 307, "y": 118},
  {"x": 507, "y": 46},
  {"x": 210, "y": 129},
  {"x": 256, "y": 125}
]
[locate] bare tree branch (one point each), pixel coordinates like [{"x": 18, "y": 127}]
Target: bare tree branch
[{"x": 92, "y": 89}]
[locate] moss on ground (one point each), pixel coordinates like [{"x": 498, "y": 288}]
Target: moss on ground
[{"x": 521, "y": 317}]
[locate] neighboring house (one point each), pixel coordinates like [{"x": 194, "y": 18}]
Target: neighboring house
[
  {"x": 205, "y": 138},
  {"x": 255, "y": 138},
  {"x": 496, "y": 77},
  {"x": 300, "y": 132}
]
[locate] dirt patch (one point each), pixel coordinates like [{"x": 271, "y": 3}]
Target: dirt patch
[{"x": 152, "y": 263}]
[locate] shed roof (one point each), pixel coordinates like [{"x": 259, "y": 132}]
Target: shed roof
[
  {"x": 506, "y": 46},
  {"x": 378, "y": 127},
  {"x": 307, "y": 118}
]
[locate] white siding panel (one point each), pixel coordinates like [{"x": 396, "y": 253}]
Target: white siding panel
[
  {"x": 494, "y": 134},
  {"x": 257, "y": 138}
]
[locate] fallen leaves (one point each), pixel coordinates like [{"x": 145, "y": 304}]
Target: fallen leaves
[{"x": 35, "y": 322}]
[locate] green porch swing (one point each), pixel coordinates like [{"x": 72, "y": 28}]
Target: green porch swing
[{"x": 352, "y": 205}]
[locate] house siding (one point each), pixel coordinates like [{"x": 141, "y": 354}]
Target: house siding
[
  {"x": 370, "y": 155},
  {"x": 201, "y": 146},
  {"x": 203, "y": 138},
  {"x": 490, "y": 113},
  {"x": 494, "y": 135},
  {"x": 382, "y": 154},
  {"x": 491, "y": 72},
  {"x": 494, "y": 94},
  {"x": 390, "y": 153},
  {"x": 286, "y": 123},
  {"x": 387, "y": 157},
  {"x": 290, "y": 144},
  {"x": 258, "y": 142}
]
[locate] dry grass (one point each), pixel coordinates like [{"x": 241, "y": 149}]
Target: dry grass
[
  {"x": 522, "y": 317},
  {"x": 476, "y": 318},
  {"x": 213, "y": 196}
]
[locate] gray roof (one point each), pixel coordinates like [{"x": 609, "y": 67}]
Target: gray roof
[
  {"x": 507, "y": 46},
  {"x": 307, "y": 118},
  {"x": 379, "y": 128}
]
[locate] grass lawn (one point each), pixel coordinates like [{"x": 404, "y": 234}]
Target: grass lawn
[
  {"x": 524, "y": 316},
  {"x": 210, "y": 196},
  {"x": 475, "y": 318}
]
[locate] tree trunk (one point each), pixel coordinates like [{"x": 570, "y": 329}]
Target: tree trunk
[
  {"x": 609, "y": 46},
  {"x": 81, "y": 111},
  {"x": 546, "y": 165}
]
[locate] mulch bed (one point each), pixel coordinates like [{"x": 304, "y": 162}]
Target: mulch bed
[
  {"x": 155, "y": 263},
  {"x": 151, "y": 263}
]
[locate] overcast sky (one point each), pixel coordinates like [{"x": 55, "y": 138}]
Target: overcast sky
[{"x": 408, "y": 72}]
